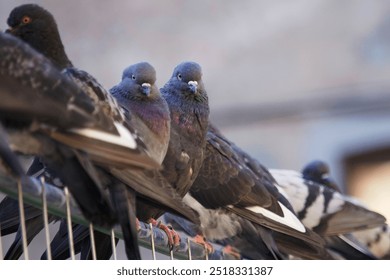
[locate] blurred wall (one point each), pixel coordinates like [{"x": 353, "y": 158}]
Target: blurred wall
[{"x": 288, "y": 81}]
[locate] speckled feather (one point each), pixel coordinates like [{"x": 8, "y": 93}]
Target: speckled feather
[
  {"x": 189, "y": 123},
  {"x": 323, "y": 209}
]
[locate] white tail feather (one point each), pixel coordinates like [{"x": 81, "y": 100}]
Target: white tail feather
[{"x": 125, "y": 138}]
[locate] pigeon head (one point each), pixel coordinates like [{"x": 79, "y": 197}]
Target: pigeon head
[
  {"x": 319, "y": 171},
  {"x": 138, "y": 82},
  {"x": 187, "y": 77},
  {"x": 37, "y": 27},
  {"x": 187, "y": 100},
  {"x": 316, "y": 170}
]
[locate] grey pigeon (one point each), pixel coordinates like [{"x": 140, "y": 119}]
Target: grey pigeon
[
  {"x": 323, "y": 209},
  {"x": 374, "y": 240},
  {"x": 149, "y": 114},
  {"x": 189, "y": 110},
  {"x": 329, "y": 213}
]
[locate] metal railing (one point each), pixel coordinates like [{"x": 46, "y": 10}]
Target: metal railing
[{"x": 52, "y": 200}]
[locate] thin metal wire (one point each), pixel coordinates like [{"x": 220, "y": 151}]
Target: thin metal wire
[
  {"x": 113, "y": 244},
  {"x": 22, "y": 220},
  {"x": 152, "y": 241},
  {"x": 189, "y": 249},
  {"x": 45, "y": 218},
  {"x": 1, "y": 246},
  {"x": 69, "y": 223},
  {"x": 56, "y": 206},
  {"x": 93, "y": 245},
  {"x": 171, "y": 254}
]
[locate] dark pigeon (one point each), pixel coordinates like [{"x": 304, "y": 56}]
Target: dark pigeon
[
  {"x": 35, "y": 25},
  {"x": 110, "y": 155},
  {"x": 242, "y": 201},
  {"x": 29, "y": 86}
]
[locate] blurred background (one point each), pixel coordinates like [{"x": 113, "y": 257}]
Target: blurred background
[{"x": 288, "y": 81}]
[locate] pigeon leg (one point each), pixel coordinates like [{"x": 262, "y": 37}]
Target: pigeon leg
[
  {"x": 200, "y": 239},
  {"x": 229, "y": 250},
  {"x": 173, "y": 236}
]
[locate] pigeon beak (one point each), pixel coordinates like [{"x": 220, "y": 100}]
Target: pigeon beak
[
  {"x": 193, "y": 86},
  {"x": 9, "y": 30},
  {"x": 146, "y": 87}
]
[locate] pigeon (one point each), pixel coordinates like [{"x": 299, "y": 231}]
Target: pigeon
[
  {"x": 189, "y": 110},
  {"x": 29, "y": 84},
  {"x": 138, "y": 96},
  {"x": 328, "y": 212},
  {"x": 376, "y": 240},
  {"x": 323, "y": 209},
  {"x": 111, "y": 155},
  {"x": 37, "y": 26},
  {"x": 238, "y": 198}
]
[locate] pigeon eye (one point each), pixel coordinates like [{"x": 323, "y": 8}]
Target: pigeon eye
[
  {"x": 26, "y": 20},
  {"x": 179, "y": 77},
  {"x": 133, "y": 77}
]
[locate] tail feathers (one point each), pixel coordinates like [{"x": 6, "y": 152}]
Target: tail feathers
[
  {"x": 351, "y": 217},
  {"x": 300, "y": 248},
  {"x": 9, "y": 215},
  {"x": 102, "y": 244},
  {"x": 269, "y": 241},
  {"x": 60, "y": 244},
  {"x": 263, "y": 245},
  {"x": 33, "y": 227},
  {"x": 154, "y": 188},
  {"x": 349, "y": 248},
  {"x": 298, "y": 232},
  {"x": 124, "y": 202},
  {"x": 305, "y": 242},
  {"x": 84, "y": 185}
]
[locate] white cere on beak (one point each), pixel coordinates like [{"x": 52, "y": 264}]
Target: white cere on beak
[
  {"x": 193, "y": 83},
  {"x": 146, "y": 85}
]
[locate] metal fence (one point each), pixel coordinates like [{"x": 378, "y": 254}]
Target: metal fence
[{"x": 52, "y": 200}]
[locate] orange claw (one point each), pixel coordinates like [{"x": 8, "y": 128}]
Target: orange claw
[
  {"x": 173, "y": 236},
  {"x": 229, "y": 250},
  {"x": 202, "y": 241}
]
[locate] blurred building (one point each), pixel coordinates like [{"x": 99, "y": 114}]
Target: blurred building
[{"x": 288, "y": 81}]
